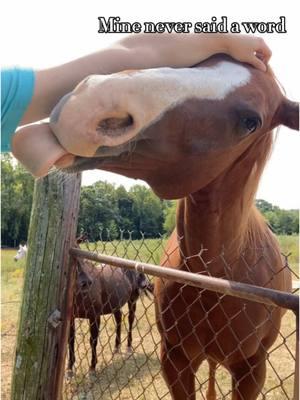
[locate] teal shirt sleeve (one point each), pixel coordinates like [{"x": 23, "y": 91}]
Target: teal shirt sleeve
[{"x": 17, "y": 86}]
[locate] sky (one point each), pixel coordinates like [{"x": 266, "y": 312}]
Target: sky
[{"x": 47, "y": 33}]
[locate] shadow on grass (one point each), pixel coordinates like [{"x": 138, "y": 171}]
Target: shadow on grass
[{"x": 133, "y": 374}]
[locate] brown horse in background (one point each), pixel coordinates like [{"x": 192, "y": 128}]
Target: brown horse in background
[
  {"x": 203, "y": 136},
  {"x": 100, "y": 290}
]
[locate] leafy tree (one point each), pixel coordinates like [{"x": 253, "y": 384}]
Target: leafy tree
[
  {"x": 125, "y": 206},
  {"x": 98, "y": 211},
  {"x": 288, "y": 222},
  {"x": 273, "y": 220},
  {"x": 106, "y": 209},
  {"x": 16, "y": 199},
  {"x": 170, "y": 217},
  {"x": 264, "y": 206},
  {"x": 283, "y": 222},
  {"x": 147, "y": 211}
]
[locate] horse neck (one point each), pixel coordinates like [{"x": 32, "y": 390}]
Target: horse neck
[{"x": 221, "y": 218}]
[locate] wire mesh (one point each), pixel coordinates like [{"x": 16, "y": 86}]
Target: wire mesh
[{"x": 106, "y": 298}]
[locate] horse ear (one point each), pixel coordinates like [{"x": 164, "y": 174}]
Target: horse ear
[{"x": 287, "y": 114}]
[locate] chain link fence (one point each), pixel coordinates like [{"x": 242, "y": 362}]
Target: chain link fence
[
  {"x": 115, "y": 346},
  {"x": 131, "y": 369}
]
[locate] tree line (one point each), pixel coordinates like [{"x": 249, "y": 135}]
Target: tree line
[{"x": 107, "y": 210}]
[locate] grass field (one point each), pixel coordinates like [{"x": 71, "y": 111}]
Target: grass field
[{"x": 136, "y": 376}]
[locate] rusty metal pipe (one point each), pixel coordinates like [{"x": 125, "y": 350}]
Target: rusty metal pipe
[{"x": 237, "y": 289}]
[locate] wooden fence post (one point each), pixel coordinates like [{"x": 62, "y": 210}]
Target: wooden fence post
[
  {"x": 43, "y": 323},
  {"x": 296, "y": 382}
]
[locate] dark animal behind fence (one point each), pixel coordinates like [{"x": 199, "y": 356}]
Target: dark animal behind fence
[{"x": 101, "y": 290}]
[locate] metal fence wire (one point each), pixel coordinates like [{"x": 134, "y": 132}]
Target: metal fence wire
[{"x": 114, "y": 344}]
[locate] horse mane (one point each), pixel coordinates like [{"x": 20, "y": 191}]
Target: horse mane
[
  {"x": 255, "y": 228},
  {"x": 271, "y": 73},
  {"x": 244, "y": 175}
]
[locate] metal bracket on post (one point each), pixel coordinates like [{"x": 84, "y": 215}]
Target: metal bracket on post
[{"x": 55, "y": 319}]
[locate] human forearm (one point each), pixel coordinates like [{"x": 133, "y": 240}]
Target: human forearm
[
  {"x": 138, "y": 52},
  {"x": 53, "y": 83},
  {"x": 184, "y": 50}
]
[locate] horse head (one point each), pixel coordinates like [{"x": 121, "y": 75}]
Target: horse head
[
  {"x": 176, "y": 129},
  {"x": 144, "y": 285},
  {"x": 84, "y": 280},
  {"x": 21, "y": 253},
  {"x": 202, "y": 134}
]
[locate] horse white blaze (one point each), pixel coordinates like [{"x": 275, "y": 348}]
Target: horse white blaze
[{"x": 173, "y": 85}]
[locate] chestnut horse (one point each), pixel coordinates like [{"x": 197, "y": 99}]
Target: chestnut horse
[{"x": 201, "y": 135}]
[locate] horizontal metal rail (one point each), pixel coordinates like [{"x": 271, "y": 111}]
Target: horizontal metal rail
[{"x": 242, "y": 290}]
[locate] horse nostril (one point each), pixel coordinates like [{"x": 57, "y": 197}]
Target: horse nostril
[{"x": 115, "y": 124}]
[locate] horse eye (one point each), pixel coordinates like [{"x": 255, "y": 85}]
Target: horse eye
[{"x": 250, "y": 124}]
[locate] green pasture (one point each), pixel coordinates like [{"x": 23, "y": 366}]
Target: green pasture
[
  {"x": 137, "y": 375},
  {"x": 147, "y": 250}
]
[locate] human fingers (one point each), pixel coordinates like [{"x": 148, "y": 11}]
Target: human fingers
[
  {"x": 36, "y": 147},
  {"x": 257, "y": 62},
  {"x": 262, "y": 51}
]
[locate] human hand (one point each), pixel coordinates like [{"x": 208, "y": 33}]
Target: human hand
[
  {"x": 37, "y": 148},
  {"x": 249, "y": 49}
]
